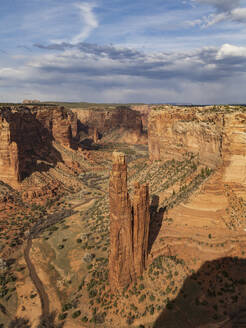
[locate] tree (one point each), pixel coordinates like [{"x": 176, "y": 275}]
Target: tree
[{"x": 19, "y": 323}]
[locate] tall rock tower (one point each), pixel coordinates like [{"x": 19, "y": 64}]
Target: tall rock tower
[
  {"x": 9, "y": 163},
  {"x": 129, "y": 227},
  {"x": 121, "y": 265},
  {"x": 141, "y": 221}
]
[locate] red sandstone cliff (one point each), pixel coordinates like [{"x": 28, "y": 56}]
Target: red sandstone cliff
[
  {"x": 217, "y": 137},
  {"x": 175, "y": 132}
]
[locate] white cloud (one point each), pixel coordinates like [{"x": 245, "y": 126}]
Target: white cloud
[
  {"x": 89, "y": 21},
  {"x": 228, "y": 51}
]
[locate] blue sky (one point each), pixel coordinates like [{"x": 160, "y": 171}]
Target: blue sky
[{"x": 123, "y": 51}]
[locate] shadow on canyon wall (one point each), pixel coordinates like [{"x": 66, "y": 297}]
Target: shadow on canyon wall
[
  {"x": 214, "y": 296},
  {"x": 34, "y": 141},
  {"x": 156, "y": 218}
]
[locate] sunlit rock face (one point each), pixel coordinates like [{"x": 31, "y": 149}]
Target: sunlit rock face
[
  {"x": 9, "y": 162},
  {"x": 173, "y": 133},
  {"x": 218, "y": 138}
]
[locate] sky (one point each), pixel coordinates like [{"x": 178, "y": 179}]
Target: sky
[{"x": 158, "y": 51}]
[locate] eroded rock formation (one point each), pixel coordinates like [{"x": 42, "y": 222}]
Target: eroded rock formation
[
  {"x": 95, "y": 135},
  {"x": 121, "y": 264},
  {"x": 9, "y": 162},
  {"x": 27, "y": 134},
  {"x": 129, "y": 227},
  {"x": 141, "y": 221}
]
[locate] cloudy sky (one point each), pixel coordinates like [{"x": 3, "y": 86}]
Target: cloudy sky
[{"x": 185, "y": 51}]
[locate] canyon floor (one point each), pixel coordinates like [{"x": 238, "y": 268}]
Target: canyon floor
[{"x": 196, "y": 262}]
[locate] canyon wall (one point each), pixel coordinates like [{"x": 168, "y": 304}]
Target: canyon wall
[
  {"x": 144, "y": 110},
  {"x": 234, "y": 150},
  {"x": 27, "y": 134},
  {"x": 175, "y": 132},
  {"x": 217, "y": 137},
  {"x": 129, "y": 227},
  {"x": 127, "y": 122}
]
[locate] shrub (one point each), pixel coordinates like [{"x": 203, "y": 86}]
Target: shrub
[
  {"x": 66, "y": 307},
  {"x": 62, "y": 316},
  {"x": 152, "y": 298},
  {"x": 76, "y": 314},
  {"x": 141, "y": 298},
  {"x": 151, "y": 310},
  {"x": 84, "y": 319}
]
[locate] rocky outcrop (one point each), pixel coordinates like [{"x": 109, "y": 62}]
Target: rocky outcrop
[
  {"x": 31, "y": 101},
  {"x": 129, "y": 227},
  {"x": 121, "y": 264},
  {"x": 95, "y": 135},
  {"x": 141, "y": 222},
  {"x": 27, "y": 133},
  {"x": 64, "y": 126},
  {"x": 9, "y": 162},
  {"x": 127, "y": 123}
]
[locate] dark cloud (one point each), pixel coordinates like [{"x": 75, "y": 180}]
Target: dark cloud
[
  {"x": 222, "y": 5},
  {"x": 225, "y": 10},
  {"x": 203, "y": 65},
  {"x": 90, "y": 48}
]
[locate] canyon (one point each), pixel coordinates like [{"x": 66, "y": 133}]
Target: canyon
[
  {"x": 126, "y": 121},
  {"x": 136, "y": 215}
]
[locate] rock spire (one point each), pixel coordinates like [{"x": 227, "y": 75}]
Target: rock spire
[{"x": 129, "y": 226}]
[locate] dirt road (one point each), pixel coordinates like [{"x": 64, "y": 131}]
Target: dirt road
[{"x": 36, "y": 281}]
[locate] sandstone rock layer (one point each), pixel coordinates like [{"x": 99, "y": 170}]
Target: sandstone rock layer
[
  {"x": 175, "y": 132},
  {"x": 218, "y": 137}
]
